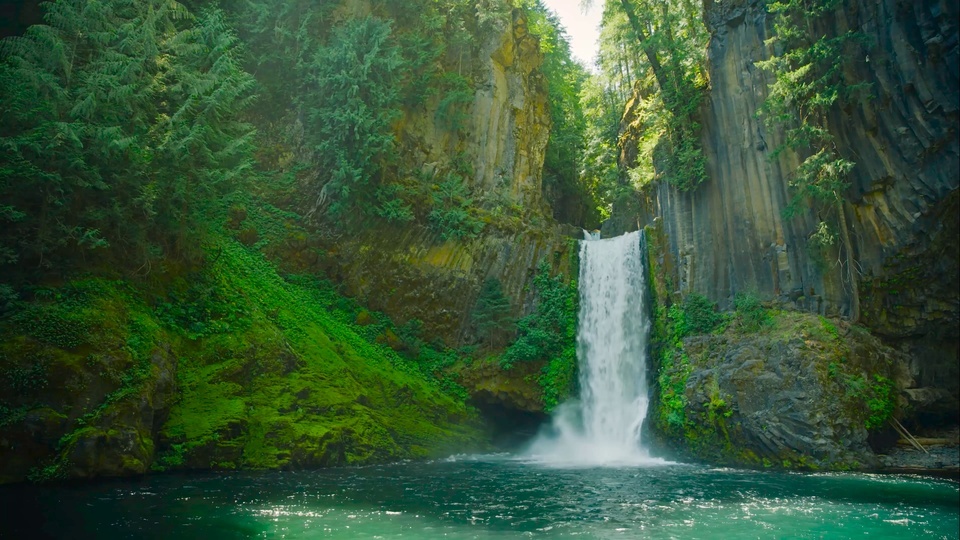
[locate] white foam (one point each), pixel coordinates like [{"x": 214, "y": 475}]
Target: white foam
[{"x": 603, "y": 428}]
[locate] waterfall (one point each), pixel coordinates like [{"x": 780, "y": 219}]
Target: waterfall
[{"x": 603, "y": 426}]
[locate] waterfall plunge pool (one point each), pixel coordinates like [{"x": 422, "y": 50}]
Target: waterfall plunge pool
[
  {"x": 485, "y": 497},
  {"x": 588, "y": 476}
]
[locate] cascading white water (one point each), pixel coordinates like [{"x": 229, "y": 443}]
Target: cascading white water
[{"x": 603, "y": 427}]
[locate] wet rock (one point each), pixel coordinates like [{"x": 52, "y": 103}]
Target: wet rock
[{"x": 793, "y": 395}]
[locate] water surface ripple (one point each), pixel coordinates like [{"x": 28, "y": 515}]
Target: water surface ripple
[{"x": 485, "y": 497}]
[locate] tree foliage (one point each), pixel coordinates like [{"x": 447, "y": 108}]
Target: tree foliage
[
  {"x": 572, "y": 196},
  {"x": 808, "y": 81},
  {"x": 491, "y": 315},
  {"x": 351, "y": 106},
  {"x": 350, "y": 80},
  {"x": 120, "y": 121},
  {"x": 659, "y": 47}
]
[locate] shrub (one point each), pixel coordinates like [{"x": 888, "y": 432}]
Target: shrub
[
  {"x": 451, "y": 215},
  {"x": 491, "y": 313},
  {"x": 751, "y": 315},
  {"x": 700, "y": 315}
]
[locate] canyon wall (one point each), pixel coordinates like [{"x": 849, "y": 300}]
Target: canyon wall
[
  {"x": 729, "y": 235},
  {"x": 410, "y": 272}
]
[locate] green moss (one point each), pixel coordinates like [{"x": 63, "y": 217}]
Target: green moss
[
  {"x": 272, "y": 372},
  {"x": 70, "y": 357},
  {"x": 305, "y": 384}
]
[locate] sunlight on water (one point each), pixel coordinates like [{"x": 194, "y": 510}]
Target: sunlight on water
[{"x": 486, "y": 497}]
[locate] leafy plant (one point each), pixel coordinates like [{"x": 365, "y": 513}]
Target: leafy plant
[
  {"x": 550, "y": 331},
  {"x": 696, "y": 315},
  {"x": 452, "y": 214},
  {"x": 877, "y": 396},
  {"x": 751, "y": 316}
]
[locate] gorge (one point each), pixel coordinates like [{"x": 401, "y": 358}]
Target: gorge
[{"x": 284, "y": 249}]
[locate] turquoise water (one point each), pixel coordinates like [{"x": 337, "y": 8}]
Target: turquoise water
[{"x": 489, "y": 497}]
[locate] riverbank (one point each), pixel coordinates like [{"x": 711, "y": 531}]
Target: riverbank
[{"x": 939, "y": 455}]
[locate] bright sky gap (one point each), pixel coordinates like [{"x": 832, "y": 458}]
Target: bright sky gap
[{"x": 582, "y": 26}]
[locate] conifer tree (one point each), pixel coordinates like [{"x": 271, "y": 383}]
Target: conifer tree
[
  {"x": 670, "y": 39},
  {"x": 117, "y": 117},
  {"x": 350, "y": 109}
]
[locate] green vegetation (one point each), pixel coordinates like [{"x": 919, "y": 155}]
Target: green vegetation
[
  {"x": 549, "y": 335},
  {"x": 809, "y": 81},
  {"x": 329, "y": 383},
  {"x": 356, "y": 100},
  {"x": 121, "y": 122},
  {"x": 657, "y": 50},
  {"x": 491, "y": 314},
  {"x": 751, "y": 316},
  {"x": 272, "y": 372},
  {"x": 696, "y": 315},
  {"x": 453, "y": 212},
  {"x": 550, "y": 331},
  {"x": 879, "y": 395},
  {"x": 353, "y": 82},
  {"x": 573, "y": 196}
]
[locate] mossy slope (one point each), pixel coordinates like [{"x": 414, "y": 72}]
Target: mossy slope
[
  {"x": 231, "y": 367},
  {"x": 299, "y": 388}
]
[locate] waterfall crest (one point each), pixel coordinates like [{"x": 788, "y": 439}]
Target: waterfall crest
[{"x": 603, "y": 427}]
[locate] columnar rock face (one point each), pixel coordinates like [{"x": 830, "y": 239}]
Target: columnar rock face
[
  {"x": 511, "y": 117},
  {"x": 505, "y": 133},
  {"x": 729, "y": 235},
  {"x": 410, "y": 272}
]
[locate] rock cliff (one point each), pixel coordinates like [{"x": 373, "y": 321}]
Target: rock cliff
[
  {"x": 410, "y": 272},
  {"x": 729, "y": 235},
  {"x": 798, "y": 393}
]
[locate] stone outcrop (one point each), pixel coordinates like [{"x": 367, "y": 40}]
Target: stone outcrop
[
  {"x": 96, "y": 428},
  {"x": 729, "y": 234},
  {"x": 798, "y": 393}
]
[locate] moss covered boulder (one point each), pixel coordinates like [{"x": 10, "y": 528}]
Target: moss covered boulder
[{"x": 792, "y": 391}]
